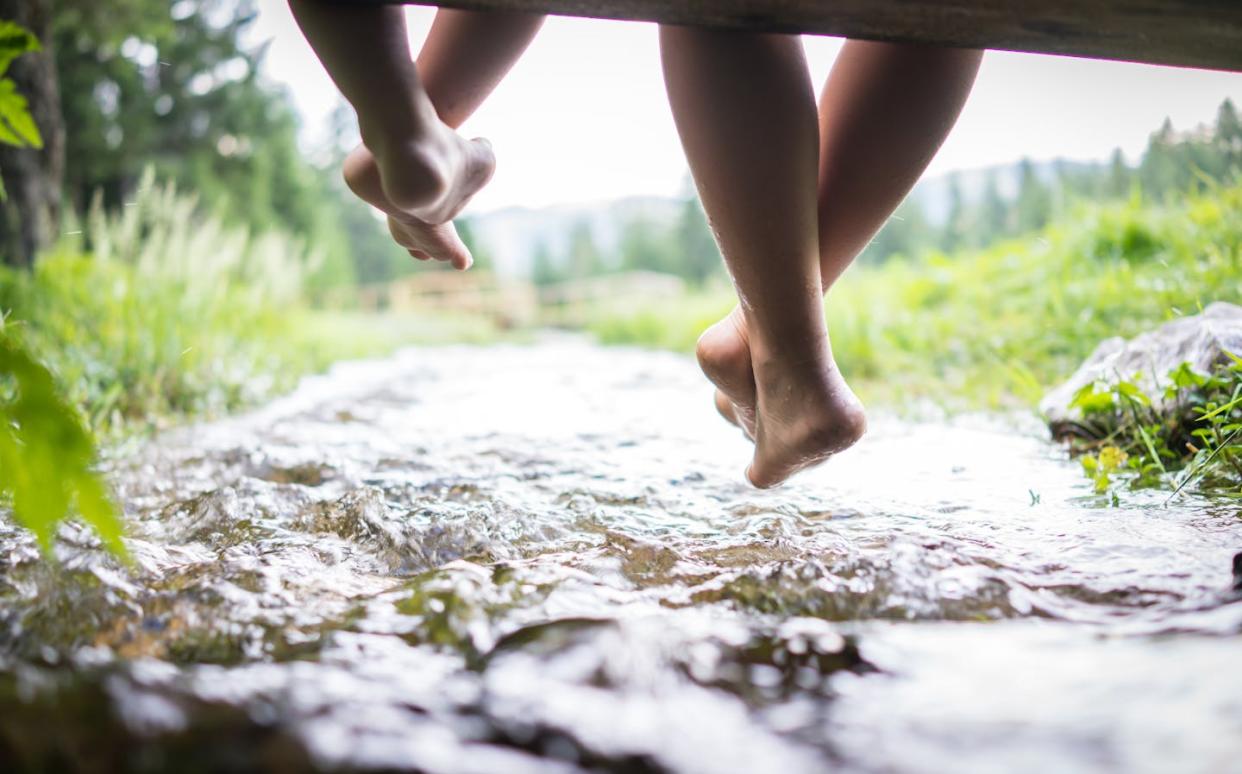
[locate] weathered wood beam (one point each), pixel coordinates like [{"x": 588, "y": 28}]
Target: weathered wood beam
[{"x": 1188, "y": 33}]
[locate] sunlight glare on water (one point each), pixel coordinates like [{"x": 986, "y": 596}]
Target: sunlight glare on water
[{"x": 544, "y": 558}]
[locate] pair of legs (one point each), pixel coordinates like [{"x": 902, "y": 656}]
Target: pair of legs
[
  {"x": 792, "y": 197},
  {"x": 412, "y": 164}
]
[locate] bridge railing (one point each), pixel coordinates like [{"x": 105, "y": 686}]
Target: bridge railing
[{"x": 516, "y": 303}]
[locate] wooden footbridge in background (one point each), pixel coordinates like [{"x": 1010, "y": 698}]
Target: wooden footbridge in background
[
  {"x": 516, "y": 303},
  {"x": 1189, "y": 33}
]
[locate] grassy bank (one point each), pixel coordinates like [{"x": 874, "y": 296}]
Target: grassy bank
[
  {"x": 160, "y": 313},
  {"x": 997, "y": 327}
]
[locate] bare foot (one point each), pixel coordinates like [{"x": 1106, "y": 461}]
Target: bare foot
[
  {"x": 723, "y": 352},
  {"x": 430, "y": 178},
  {"x": 424, "y": 241},
  {"x": 798, "y": 412},
  {"x": 805, "y": 414}
]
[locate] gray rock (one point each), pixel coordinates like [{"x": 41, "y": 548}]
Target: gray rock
[{"x": 1201, "y": 340}]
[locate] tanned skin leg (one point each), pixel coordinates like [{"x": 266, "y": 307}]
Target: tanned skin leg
[
  {"x": 884, "y": 112},
  {"x": 745, "y": 110},
  {"x": 412, "y": 164}
]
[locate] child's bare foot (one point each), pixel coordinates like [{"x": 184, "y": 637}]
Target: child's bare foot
[
  {"x": 423, "y": 240},
  {"x": 723, "y": 352},
  {"x": 799, "y": 411},
  {"x": 432, "y": 176},
  {"x": 805, "y": 414}
]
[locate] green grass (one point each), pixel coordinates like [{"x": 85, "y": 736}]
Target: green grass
[
  {"x": 149, "y": 317},
  {"x": 1187, "y": 434},
  {"x": 160, "y": 313},
  {"x": 996, "y": 328}
]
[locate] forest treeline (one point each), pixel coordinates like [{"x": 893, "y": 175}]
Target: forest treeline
[{"x": 1173, "y": 164}]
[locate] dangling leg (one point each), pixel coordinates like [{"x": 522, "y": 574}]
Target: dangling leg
[
  {"x": 465, "y": 56},
  {"x": 884, "y": 112},
  {"x": 745, "y": 110}
]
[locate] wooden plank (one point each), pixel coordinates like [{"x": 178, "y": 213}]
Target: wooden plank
[{"x": 1189, "y": 33}]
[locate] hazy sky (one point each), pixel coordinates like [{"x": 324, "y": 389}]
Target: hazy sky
[{"x": 583, "y": 116}]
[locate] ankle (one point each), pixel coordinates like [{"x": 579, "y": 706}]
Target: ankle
[
  {"x": 800, "y": 347},
  {"x": 415, "y": 169}
]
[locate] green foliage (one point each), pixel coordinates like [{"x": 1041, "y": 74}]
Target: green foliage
[
  {"x": 148, "y": 83},
  {"x": 954, "y": 234},
  {"x": 1174, "y": 163},
  {"x": 544, "y": 269},
  {"x": 1191, "y": 433},
  {"x": 1033, "y": 207},
  {"x": 158, "y": 310},
  {"x": 673, "y": 326},
  {"x": 645, "y": 246},
  {"x": 699, "y": 258},
  {"x": 996, "y": 327},
  {"x": 15, "y": 40},
  {"x": 682, "y": 246},
  {"x": 906, "y": 233},
  {"x": 17, "y": 127},
  {"x": 478, "y": 249},
  {"x": 45, "y": 452},
  {"x": 584, "y": 258}
]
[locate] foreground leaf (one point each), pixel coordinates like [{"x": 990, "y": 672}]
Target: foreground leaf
[{"x": 46, "y": 455}]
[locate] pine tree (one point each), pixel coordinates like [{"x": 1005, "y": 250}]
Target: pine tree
[
  {"x": 954, "y": 234},
  {"x": 993, "y": 212},
  {"x": 1117, "y": 183},
  {"x": 1228, "y": 137},
  {"x": 645, "y": 246},
  {"x": 478, "y": 249},
  {"x": 906, "y": 233},
  {"x": 544, "y": 270},
  {"x": 1034, "y": 203},
  {"x": 1159, "y": 171},
  {"x": 173, "y": 85},
  {"x": 584, "y": 259},
  {"x": 700, "y": 256}
]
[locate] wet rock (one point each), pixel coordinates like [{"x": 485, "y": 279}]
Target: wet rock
[
  {"x": 602, "y": 686},
  {"x": 1237, "y": 572},
  {"x": 1201, "y": 340}
]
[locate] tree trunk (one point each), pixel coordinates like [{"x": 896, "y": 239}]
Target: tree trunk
[{"x": 31, "y": 215}]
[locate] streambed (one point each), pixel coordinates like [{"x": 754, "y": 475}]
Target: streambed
[{"x": 543, "y": 558}]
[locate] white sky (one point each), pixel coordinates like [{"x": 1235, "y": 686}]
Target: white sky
[{"x": 583, "y": 116}]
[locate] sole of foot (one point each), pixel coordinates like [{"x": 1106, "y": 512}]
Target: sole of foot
[{"x": 424, "y": 241}]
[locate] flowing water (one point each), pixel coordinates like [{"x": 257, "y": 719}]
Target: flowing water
[{"x": 543, "y": 558}]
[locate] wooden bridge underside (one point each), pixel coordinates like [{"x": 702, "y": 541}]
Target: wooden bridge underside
[{"x": 1188, "y": 33}]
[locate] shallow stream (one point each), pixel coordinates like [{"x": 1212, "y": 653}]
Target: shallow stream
[{"x": 543, "y": 558}]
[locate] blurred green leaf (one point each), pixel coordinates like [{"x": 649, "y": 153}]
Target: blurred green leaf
[
  {"x": 1092, "y": 400},
  {"x": 15, "y": 40},
  {"x": 46, "y": 454},
  {"x": 17, "y": 126}
]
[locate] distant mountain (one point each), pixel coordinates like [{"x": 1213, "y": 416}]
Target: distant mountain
[{"x": 513, "y": 235}]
